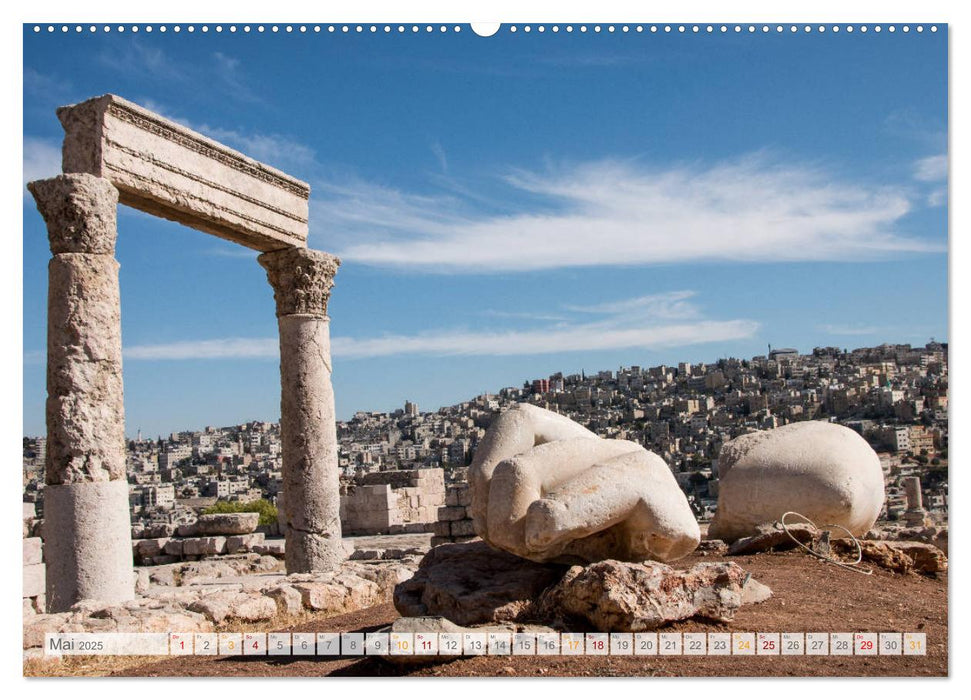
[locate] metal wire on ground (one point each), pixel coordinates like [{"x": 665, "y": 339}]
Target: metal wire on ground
[{"x": 851, "y": 565}]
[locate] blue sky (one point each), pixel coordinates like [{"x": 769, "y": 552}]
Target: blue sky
[{"x": 518, "y": 205}]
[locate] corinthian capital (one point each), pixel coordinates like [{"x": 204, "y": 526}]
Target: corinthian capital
[
  {"x": 301, "y": 279},
  {"x": 81, "y": 213}
]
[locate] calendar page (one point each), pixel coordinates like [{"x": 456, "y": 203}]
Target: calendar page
[{"x": 516, "y": 349}]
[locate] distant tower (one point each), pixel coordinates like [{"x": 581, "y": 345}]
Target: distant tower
[
  {"x": 139, "y": 438},
  {"x": 411, "y": 409}
]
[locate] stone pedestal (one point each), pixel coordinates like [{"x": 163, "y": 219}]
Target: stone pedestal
[
  {"x": 88, "y": 528},
  {"x": 301, "y": 281}
]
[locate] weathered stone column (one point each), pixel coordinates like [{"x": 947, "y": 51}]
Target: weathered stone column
[
  {"x": 915, "y": 515},
  {"x": 301, "y": 281},
  {"x": 87, "y": 525},
  {"x": 915, "y": 500}
]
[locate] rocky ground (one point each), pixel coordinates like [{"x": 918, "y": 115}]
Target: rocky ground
[{"x": 808, "y": 595}]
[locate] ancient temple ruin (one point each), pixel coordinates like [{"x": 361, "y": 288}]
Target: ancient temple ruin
[{"x": 117, "y": 152}]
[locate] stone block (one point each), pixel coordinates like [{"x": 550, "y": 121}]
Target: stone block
[
  {"x": 201, "y": 546},
  {"x": 35, "y": 578},
  {"x": 441, "y": 528},
  {"x": 30, "y": 511},
  {"x": 33, "y": 551},
  {"x": 451, "y": 513},
  {"x": 174, "y": 547},
  {"x": 273, "y": 548},
  {"x": 243, "y": 543},
  {"x": 150, "y": 547},
  {"x": 227, "y": 523},
  {"x": 462, "y": 528}
]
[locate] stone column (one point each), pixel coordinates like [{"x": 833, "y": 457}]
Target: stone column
[
  {"x": 915, "y": 500},
  {"x": 301, "y": 281},
  {"x": 87, "y": 525},
  {"x": 915, "y": 515}
]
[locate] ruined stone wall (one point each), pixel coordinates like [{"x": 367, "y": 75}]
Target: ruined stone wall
[
  {"x": 406, "y": 501},
  {"x": 454, "y": 520}
]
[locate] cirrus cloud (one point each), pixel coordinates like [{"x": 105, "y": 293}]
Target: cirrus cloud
[{"x": 612, "y": 212}]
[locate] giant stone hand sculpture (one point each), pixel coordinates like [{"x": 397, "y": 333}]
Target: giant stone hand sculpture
[{"x": 548, "y": 489}]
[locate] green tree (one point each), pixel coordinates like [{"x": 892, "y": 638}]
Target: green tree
[{"x": 262, "y": 506}]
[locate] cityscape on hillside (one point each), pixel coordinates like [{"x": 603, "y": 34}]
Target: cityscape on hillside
[{"x": 895, "y": 396}]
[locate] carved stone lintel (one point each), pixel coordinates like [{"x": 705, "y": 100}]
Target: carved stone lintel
[
  {"x": 301, "y": 280},
  {"x": 80, "y": 211}
]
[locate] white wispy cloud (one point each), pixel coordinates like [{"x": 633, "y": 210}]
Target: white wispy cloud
[
  {"x": 440, "y": 156},
  {"x": 524, "y": 315},
  {"x": 931, "y": 169},
  {"x": 666, "y": 306},
  {"x": 219, "y": 348},
  {"x": 42, "y": 159},
  {"x": 650, "y": 322},
  {"x": 611, "y": 212},
  {"x": 582, "y": 337}
]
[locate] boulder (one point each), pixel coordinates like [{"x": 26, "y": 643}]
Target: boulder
[
  {"x": 289, "y": 601},
  {"x": 901, "y": 557},
  {"x": 772, "y": 537},
  {"x": 823, "y": 471},
  {"x": 222, "y": 605},
  {"x": 227, "y": 523},
  {"x": 934, "y": 535},
  {"x": 472, "y": 583},
  {"x": 615, "y": 596},
  {"x": 714, "y": 548},
  {"x": 340, "y": 593}
]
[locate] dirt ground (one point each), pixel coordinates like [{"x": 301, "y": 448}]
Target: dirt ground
[{"x": 809, "y": 596}]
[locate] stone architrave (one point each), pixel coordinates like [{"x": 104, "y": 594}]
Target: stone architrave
[
  {"x": 168, "y": 170},
  {"x": 301, "y": 281},
  {"x": 87, "y": 525}
]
